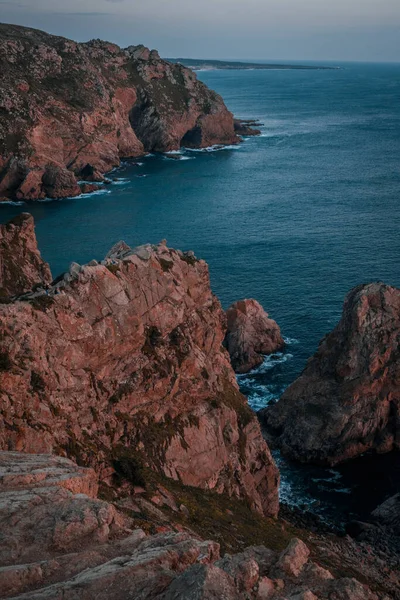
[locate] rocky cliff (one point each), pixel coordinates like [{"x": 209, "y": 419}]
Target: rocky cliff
[
  {"x": 21, "y": 266},
  {"x": 70, "y": 111},
  {"x": 120, "y": 365},
  {"x": 59, "y": 541},
  {"x": 347, "y": 399}
]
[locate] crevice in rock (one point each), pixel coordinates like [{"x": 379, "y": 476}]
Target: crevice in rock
[
  {"x": 142, "y": 122},
  {"x": 192, "y": 138}
]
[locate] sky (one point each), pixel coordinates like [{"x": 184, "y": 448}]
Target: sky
[{"x": 321, "y": 30}]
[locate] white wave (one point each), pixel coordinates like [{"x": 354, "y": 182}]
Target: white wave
[
  {"x": 121, "y": 181},
  {"x": 142, "y": 175},
  {"x": 326, "y": 479},
  {"x": 270, "y": 361},
  {"x": 335, "y": 475},
  {"x": 290, "y": 341},
  {"x": 178, "y": 158},
  {"x": 260, "y": 399},
  {"x": 286, "y": 494},
  {"x": 344, "y": 491},
  {"x": 95, "y": 193},
  {"x": 276, "y": 135},
  {"x": 12, "y": 202},
  {"x": 173, "y": 152},
  {"x": 215, "y": 148}
]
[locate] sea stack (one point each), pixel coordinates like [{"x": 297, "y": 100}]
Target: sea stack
[
  {"x": 250, "y": 335},
  {"x": 346, "y": 401}
]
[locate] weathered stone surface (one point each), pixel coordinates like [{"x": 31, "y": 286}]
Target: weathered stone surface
[
  {"x": 32, "y": 187},
  {"x": 21, "y": 266},
  {"x": 57, "y": 536},
  {"x": 203, "y": 582},
  {"x": 58, "y": 182},
  {"x": 59, "y": 542},
  {"x": 120, "y": 364},
  {"x": 346, "y": 401},
  {"x": 48, "y": 505},
  {"x": 293, "y": 559},
  {"x": 250, "y": 334},
  {"x": 71, "y": 111}
]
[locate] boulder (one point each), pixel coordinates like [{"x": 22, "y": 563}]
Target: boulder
[
  {"x": 203, "y": 582},
  {"x": 250, "y": 335},
  {"x": 294, "y": 558},
  {"x": 58, "y": 182}
]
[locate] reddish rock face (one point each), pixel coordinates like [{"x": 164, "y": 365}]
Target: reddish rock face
[
  {"x": 60, "y": 542},
  {"x": 347, "y": 399},
  {"x": 68, "y": 106},
  {"x": 250, "y": 334},
  {"x": 120, "y": 363},
  {"x": 21, "y": 266}
]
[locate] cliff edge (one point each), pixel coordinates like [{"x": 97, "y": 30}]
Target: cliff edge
[
  {"x": 120, "y": 365},
  {"x": 70, "y": 111}
]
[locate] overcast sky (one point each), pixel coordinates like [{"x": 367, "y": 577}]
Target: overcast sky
[{"x": 249, "y": 29}]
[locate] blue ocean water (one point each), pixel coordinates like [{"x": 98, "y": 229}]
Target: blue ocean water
[{"x": 293, "y": 218}]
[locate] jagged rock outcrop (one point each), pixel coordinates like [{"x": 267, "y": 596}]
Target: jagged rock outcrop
[
  {"x": 347, "y": 399},
  {"x": 387, "y": 514},
  {"x": 246, "y": 127},
  {"x": 250, "y": 335},
  {"x": 58, "y": 541},
  {"x": 21, "y": 266},
  {"x": 120, "y": 364},
  {"x": 69, "y": 108}
]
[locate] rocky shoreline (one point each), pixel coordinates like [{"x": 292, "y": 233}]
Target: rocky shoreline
[
  {"x": 119, "y": 366},
  {"x": 71, "y": 111},
  {"x": 131, "y": 465}
]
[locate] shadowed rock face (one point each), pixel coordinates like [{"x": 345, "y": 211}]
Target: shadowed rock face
[
  {"x": 69, "y": 107},
  {"x": 60, "y": 542},
  {"x": 347, "y": 399},
  {"x": 121, "y": 363},
  {"x": 21, "y": 266},
  {"x": 388, "y": 514},
  {"x": 250, "y": 334}
]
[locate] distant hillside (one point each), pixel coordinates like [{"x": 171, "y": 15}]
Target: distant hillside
[{"x": 200, "y": 63}]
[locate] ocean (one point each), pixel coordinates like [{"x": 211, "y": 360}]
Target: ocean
[{"x": 294, "y": 218}]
